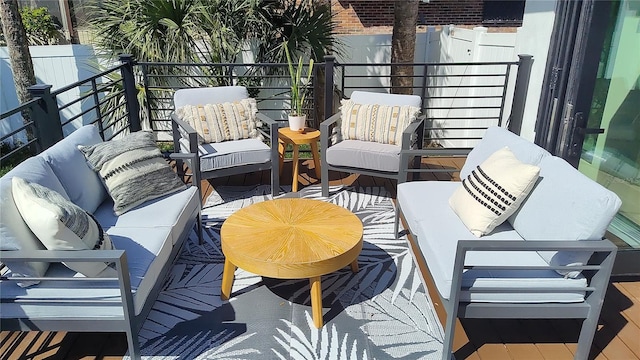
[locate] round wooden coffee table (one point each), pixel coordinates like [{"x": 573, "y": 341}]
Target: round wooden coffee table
[{"x": 291, "y": 239}]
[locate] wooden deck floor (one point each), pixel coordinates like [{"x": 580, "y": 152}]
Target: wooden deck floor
[{"x": 617, "y": 338}]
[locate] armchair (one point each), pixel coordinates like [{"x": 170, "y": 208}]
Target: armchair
[
  {"x": 220, "y": 159},
  {"x": 368, "y": 157}
]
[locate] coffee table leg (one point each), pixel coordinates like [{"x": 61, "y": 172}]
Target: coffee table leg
[
  {"x": 316, "y": 301},
  {"x": 227, "y": 279},
  {"x": 354, "y": 266}
]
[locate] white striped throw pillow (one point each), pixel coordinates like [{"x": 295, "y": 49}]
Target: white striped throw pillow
[
  {"x": 222, "y": 122},
  {"x": 493, "y": 191},
  {"x": 378, "y": 123}
]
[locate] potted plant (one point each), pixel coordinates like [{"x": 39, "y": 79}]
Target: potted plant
[{"x": 297, "y": 117}]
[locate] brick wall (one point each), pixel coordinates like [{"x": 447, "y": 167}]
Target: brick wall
[{"x": 376, "y": 17}]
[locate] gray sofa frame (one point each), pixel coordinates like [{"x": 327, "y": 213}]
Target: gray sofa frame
[
  {"x": 412, "y": 138},
  {"x": 597, "y": 272},
  {"x": 129, "y": 323}
]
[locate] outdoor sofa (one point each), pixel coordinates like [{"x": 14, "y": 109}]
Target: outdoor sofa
[
  {"x": 146, "y": 239},
  {"x": 534, "y": 264}
]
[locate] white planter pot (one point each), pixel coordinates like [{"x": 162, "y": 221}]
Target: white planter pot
[{"x": 297, "y": 123}]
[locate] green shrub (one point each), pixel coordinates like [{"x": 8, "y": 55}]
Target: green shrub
[{"x": 40, "y": 26}]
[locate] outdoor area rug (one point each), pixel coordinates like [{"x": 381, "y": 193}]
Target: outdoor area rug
[{"x": 381, "y": 312}]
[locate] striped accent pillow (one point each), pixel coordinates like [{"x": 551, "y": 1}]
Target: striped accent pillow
[
  {"x": 61, "y": 225},
  {"x": 221, "y": 122},
  {"x": 378, "y": 123},
  {"x": 132, "y": 169},
  {"x": 493, "y": 191}
]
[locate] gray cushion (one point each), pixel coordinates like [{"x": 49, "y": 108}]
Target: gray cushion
[
  {"x": 173, "y": 210},
  {"x": 81, "y": 183},
  {"x": 133, "y": 170},
  {"x": 147, "y": 249},
  {"x": 230, "y": 153},
  {"x": 14, "y": 232},
  {"x": 209, "y": 95},
  {"x": 496, "y": 138},
  {"x": 364, "y": 155},
  {"x": 438, "y": 229},
  {"x": 367, "y": 97},
  {"x": 565, "y": 205}
]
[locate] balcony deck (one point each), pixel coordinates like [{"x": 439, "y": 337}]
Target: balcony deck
[{"x": 617, "y": 337}]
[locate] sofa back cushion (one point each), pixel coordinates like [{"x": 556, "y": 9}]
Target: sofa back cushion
[
  {"x": 81, "y": 183},
  {"x": 565, "y": 205},
  {"x": 496, "y": 138},
  {"x": 367, "y": 97},
  {"x": 14, "y": 232}
]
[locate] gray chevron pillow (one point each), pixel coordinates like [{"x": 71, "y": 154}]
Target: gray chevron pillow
[{"x": 132, "y": 169}]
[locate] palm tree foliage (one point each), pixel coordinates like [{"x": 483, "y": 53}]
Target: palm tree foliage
[
  {"x": 211, "y": 31},
  {"x": 208, "y": 32}
]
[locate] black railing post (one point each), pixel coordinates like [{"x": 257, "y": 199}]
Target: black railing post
[
  {"x": 520, "y": 93},
  {"x": 329, "y": 63},
  {"x": 130, "y": 92},
  {"x": 45, "y": 116}
]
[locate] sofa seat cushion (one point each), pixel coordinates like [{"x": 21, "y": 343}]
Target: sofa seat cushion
[
  {"x": 496, "y": 138},
  {"x": 364, "y": 155},
  {"x": 173, "y": 210},
  {"x": 14, "y": 232},
  {"x": 82, "y": 184},
  {"x": 229, "y": 154},
  {"x": 147, "y": 249},
  {"x": 437, "y": 228}
]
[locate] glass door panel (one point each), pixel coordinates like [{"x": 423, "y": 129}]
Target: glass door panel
[{"x": 613, "y": 157}]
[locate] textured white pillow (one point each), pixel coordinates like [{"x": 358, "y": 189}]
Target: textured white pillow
[
  {"x": 221, "y": 122},
  {"x": 493, "y": 191},
  {"x": 61, "y": 225},
  {"x": 378, "y": 123},
  {"x": 133, "y": 170}
]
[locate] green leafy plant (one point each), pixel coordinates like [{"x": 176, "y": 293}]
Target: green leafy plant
[
  {"x": 298, "y": 86},
  {"x": 40, "y": 26}
]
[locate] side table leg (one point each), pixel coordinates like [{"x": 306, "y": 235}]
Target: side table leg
[
  {"x": 227, "y": 279},
  {"x": 294, "y": 184},
  {"x": 281, "y": 149},
  {"x": 316, "y": 301},
  {"x": 316, "y": 158}
]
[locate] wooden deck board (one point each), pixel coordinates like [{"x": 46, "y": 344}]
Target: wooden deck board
[{"x": 618, "y": 336}]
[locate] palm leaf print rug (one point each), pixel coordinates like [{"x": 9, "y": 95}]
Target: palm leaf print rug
[{"x": 381, "y": 312}]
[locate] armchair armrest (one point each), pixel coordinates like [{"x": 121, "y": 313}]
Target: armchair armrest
[
  {"x": 181, "y": 129},
  {"x": 326, "y": 131},
  {"x": 417, "y": 128}
]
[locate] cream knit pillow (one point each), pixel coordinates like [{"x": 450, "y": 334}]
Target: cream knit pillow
[
  {"x": 493, "y": 191},
  {"x": 221, "y": 122}
]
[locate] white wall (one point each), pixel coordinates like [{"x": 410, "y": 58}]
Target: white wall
[
  {"x": 534, "y": 38},
  {"x": 56, "y": 65}
]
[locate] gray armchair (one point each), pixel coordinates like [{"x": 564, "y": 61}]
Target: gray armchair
[
  {"x": 214, "y": 160},
  {"x": 367, "y": 157}
]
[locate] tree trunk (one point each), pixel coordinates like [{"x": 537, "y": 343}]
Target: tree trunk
[
  {"x": 18, "y": 45},
  {"x": 403, "y": 45}
]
